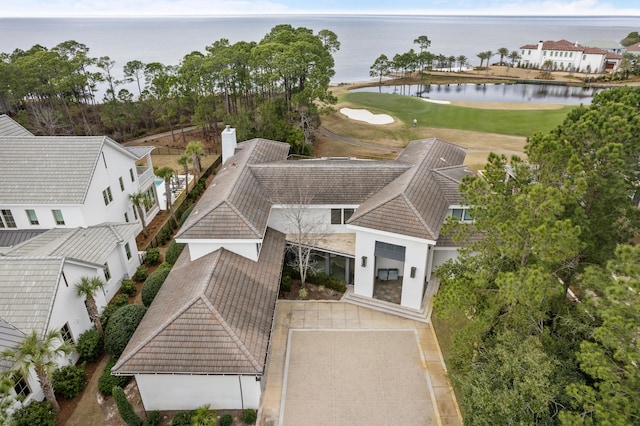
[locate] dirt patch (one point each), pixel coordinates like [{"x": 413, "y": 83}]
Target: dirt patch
[{"x": 68, "y": 406}]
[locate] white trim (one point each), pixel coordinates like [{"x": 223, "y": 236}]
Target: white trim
[
  {"x": 316, "y": 206},
  {"x": 391, "y": 234},
  {"x": 226, "y": 241}
]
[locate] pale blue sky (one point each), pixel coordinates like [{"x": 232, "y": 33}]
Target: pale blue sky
[{"x": 54, "y": 8}]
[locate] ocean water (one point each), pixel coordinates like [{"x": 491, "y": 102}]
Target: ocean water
[{"x": 362, "y": 38}]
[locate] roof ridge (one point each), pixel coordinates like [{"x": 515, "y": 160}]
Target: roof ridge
[
  {"x": 93, "y": 170},
  {"x": 418, "y": 215},
  {"x": 55, "y": 293},
  {"x": 242, "y": 216},
  {"x": 232, "y": 333}
]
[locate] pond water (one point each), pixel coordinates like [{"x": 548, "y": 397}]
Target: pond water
[{"x": 519, "y": 92}]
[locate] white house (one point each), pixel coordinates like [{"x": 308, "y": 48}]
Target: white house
[
  {"x": 70, "y": 181},
  {"x": 567, "y": 56},
  {"x": 374, "y": 224},
  {"x": 37, "y": 284}
]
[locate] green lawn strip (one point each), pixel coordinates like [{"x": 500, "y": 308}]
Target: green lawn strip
[{"x": 505, "y": 122}]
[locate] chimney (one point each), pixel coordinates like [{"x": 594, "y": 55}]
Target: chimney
[
  {"x": 229, "y": 143},
  {"x": 540, "y": 45}
]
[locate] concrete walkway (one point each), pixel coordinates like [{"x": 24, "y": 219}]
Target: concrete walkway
[{"x": 334, "y": 363}]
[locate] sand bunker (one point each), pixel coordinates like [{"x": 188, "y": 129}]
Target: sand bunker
[
  {"x": 366, "y": 116},
  {"x": 435, "y": 101}
]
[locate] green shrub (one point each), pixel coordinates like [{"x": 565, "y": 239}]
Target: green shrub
[
  {"x": 117, "y": 302},
  {"x": 153, "y": 418},
  {"x": 153, "y": 257},
  {"x": 39, "y": 413},
  {"x": 128, "y": 287},
  {"x": 152, "y": 285},
  {"x": 173, "y": 252},
  {"x": 69, "y": 381},
  {"x": 164, "y": 235},
  {"x": 204, "y": 416},
  {"x": 164, "y": 265},
  {"x": 226, "y": 420},
  {"x": 141, "y": 274},
  {"x": 121, "y": 327},
  {"x": 327, "y": 281},
  {"x": 185, "y": 214},
  {"x": 249, "y": 416},
  {"x": 124, "y": 407},
  {"x": 106, "y": 382},
  {"x": 89, "y": 345},
  {"x": 183, "y": 418},
  {"x": 285, "y": 285}
]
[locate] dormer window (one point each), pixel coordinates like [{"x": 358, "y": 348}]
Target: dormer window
[{"x": 463, "y": 214}]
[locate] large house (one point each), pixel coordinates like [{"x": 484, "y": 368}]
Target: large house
[
  {"x": 374, "y": 224},
  {"x": 70, "y": 181},
  {"x": 567, "y": 56},
  {"x": 37, "y": 285}
]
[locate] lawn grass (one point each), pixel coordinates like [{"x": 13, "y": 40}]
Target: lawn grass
[{"x": 501, "y": 121}]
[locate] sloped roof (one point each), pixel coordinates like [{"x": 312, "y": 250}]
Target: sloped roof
[
  {"x": 212, "y": 315},
  {"x": 9, "y": 127},
  {"x": 415, "y": 203},
  {"x": 13, "y": 237},
  {"x": 325, "y": 181},
  {"x": 633, "y": 48},
  {"x": 47, "y": 169},
  {"x": 234, "y": 206},
  {"x": 27, "y": 291},
  {"x": 566, "y": 45},
  {"x": 10, "y": 337},
  {"x": 92, "y": 245}
]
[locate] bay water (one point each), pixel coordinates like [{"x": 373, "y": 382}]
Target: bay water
[{"x": 362, "y": 38}]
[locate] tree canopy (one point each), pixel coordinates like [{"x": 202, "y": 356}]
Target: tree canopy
[{"x": 547, "y": 294}]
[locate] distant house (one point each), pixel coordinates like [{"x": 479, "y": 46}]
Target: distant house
[
  {"x": 567, "y": 56},
  {"x": 37, "y": 285},
  {"x": 70, "y": 181},
  {"x": 376, "y": 225},
  {"x": 634, "y": 49}
]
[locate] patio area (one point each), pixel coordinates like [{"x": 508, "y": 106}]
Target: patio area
[{"x": 334, "y": 363}]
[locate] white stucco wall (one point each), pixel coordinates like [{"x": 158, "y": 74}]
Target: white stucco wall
[
  {"x": 415, "y": 256},
  {"x": 187, "y": 392},
  {"x": 441, "y": 255},
  {"x": 72, "y": 215},
  {"x": 245, "y": 248},
  {"x": 316, "y": 218}
]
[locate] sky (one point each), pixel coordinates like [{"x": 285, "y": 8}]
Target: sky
[{"x": 117, "y": 8}]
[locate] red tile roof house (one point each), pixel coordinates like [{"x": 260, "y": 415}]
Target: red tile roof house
[
  {"x": 568, "y": 56},
  {"x": 205, "y": 338},
  {"x": 634, "y": 49}
]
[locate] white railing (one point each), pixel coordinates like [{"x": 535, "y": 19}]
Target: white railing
[{"x": 145, "y": 177}]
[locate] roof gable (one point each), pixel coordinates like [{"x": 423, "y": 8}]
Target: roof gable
[
  {"x": 212, "y": 315},
  {"x": 9, "y": 127}
]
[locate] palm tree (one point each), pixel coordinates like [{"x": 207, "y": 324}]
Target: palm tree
[
  {"x": 166, "y": 173},
  {"x": 503, "y": 51},
  {"x": 41, "y": 355},
  {"x": 482, "y": 56},
  {"x": 195, "y": 150},
  {"x": 488, "y": 55},
  {"x": 514, "y": 56},
  {"x": 184, "y": 161},
  {"x": 452, "y": 61},
  {"x": 138, "y": 200},
  {"x": 462, "y": 61},
  {"x": 87, "y": 288}
]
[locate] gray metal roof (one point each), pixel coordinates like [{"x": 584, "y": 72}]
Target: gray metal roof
[
  {"x": 9, "y": 127},
  {"x": 27, "y": 291},
  {"x": 13, "y": 237},
  {"x": 10, "y": 337},
  {"x": 212, "y": 315},
  {"x": 139, "y": 151},
  {"x": 49, "y": 169},
  {"x": 92, "y": 245}
]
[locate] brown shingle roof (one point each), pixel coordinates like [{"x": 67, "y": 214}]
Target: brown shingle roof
[
  {"x": 414, "y": 204},
  {"x": 213, "y": 315},
  {"x": 234, "y": 206},
  {"x": 322, "y": 181}
]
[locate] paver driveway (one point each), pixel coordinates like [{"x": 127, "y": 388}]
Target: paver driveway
[{"x": 334, "y": 363}]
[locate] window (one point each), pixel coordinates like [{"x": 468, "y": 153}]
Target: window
[
  {"x": 7, "y": 218},
  {"x": 21, "y": 387},
  {"x": 33, "y": 219},
  {"x": 127, "y": 250},
  {"x": 121, "y": 183},
  {"x": 135, "y": 212},
  {"x": 106, "y": 195},
  {"x": 57, "y": 216},
  {"x": 107, "y": 273},
  {"x": 463, "y": 215},
  {"x": 571, "y": 54},
  {"x": 340, "y": 216},
  {"x": 347, "y": 214},
  {"x": 133, "y": 179},
  {"x": 151, "y": 199},
  {"x": 584, "y": 57},
  {"x": 126, "y": 217},
  {"x": 66, "y": 334}
]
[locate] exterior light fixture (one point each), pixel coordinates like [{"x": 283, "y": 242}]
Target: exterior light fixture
[
  {"x": 364, "y": 261},
  {"x": 413, "y": 272}
]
